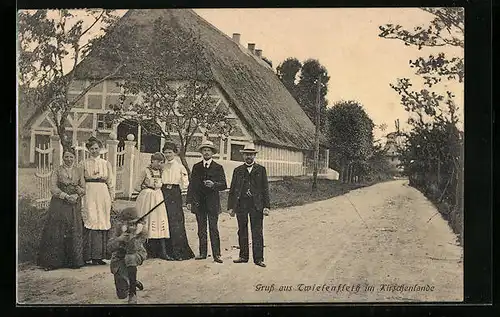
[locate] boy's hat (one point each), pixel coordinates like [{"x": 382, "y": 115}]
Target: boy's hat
[{"x": 129, "y": 213}]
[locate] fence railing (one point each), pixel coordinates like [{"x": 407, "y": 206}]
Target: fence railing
[
  {"x": 120, "y": 168},
  {"x": 309, "y": 166},
  {"x": 49, "y": 156},
  {"x": 127, "y": 162},
  {"x": 43, "y": 174}
]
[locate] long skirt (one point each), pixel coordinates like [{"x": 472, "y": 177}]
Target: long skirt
[
  {"x": 177, "y": 246},
  {"x": 97, "y": 221},
  {"x": 95, "y": 244},
  {"x": 61, "y": 242},
  {"x": 156, "y": 222}
]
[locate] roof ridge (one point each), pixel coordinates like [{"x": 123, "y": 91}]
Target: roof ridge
[
  {"x": 242, "y": 47},
  {"x": 255, "y": 92}
]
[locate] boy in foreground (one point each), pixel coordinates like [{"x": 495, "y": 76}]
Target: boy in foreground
[{"x": 128, "y": 252}]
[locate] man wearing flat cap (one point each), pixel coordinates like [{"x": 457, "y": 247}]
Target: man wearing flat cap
[
  {"x": 207, "y": 180},
  {"x": 249, "y": 198}
]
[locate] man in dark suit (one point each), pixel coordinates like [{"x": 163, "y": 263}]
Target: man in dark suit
[
  {"x": 249, "y": 196},
  {"x": 207, "y": 180}
]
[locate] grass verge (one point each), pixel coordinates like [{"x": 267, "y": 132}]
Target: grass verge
[{"x": 284, "y": 193}]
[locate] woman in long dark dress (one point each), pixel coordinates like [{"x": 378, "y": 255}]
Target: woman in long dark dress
[
  {"x": 175, "y": 179},
  {"x": 61, "y": 242}
]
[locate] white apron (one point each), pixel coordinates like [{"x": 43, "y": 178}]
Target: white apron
[
  {"x": 156, "y": 221},
  {"x": 96, "y": 208}
]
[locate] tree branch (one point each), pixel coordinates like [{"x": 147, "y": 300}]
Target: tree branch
[{"x": 94, "y": 23}]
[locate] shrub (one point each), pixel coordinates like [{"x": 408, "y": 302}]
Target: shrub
[{"x": 31, "y": 221}]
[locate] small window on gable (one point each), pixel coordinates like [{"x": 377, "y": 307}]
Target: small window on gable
[{"x": 103, "y": 123}]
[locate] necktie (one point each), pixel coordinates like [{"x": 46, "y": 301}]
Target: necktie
[{"x": 206, "y": 165}]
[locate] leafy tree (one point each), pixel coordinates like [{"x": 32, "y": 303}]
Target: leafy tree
[
  {"x": 433, "y": 151},
  {"x": 46, "y": 39},
  {"x": 376, "y": 167},
  {"x": 184, "y": 107},
  {"x": 446, "y": 29},
  {"x": 350, "y": 134},
  {"x": 287, "y": 73},
  {"x": 307, "y": 89}
]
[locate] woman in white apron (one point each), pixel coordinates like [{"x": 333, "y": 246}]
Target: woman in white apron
[
  {"x": 156, "y": 223},
  {"x": 96, "y": 212}
]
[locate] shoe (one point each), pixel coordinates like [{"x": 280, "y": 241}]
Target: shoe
[
  {"x": 200, "y": 257},
  {"x": 132, "y": 299},
  {"x": 217, "y": 259},
  {"x": 139, "y": 285},
  {"x": 260, "y": 263},
  {"x": 240, "y": 260}
]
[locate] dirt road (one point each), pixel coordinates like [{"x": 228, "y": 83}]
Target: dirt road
[{"x": 310, "y": 252}]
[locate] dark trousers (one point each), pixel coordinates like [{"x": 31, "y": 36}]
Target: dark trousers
[
  {"x": 202, "y": 217},
  {"x": 246, "y": 209},
  {"x": 125, "y": 281}
]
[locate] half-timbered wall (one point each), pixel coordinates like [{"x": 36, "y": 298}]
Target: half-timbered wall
[{"x": 87, "y": 119}]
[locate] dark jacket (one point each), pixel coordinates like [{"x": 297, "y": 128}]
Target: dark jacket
[
  {"x": 130, "y": 252},
  {"x": 198, "y": 195},
  {"x": 258, "y": 186}
]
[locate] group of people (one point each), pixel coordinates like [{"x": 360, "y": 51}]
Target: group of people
[{"x": 78, "y": 227}]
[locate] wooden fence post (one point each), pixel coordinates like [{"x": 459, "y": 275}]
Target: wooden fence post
[
  {"x": 55, "y": 143},
  {"x": 128, "y": 166},
  {"x": 112, "y": 144}
]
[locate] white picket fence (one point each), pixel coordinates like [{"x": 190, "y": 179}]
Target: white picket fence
[
  {"x": 44, "y": 169},
  {"x": 120, "y": 165},
  {"x": 43, "y": 174}
]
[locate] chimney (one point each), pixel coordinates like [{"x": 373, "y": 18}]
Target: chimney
[
  {"x": 258, "y": 52},
  {"x": 251, "y": 47},
  {"x": 236, "y": 37}
]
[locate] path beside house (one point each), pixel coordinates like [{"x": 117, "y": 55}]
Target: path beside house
[{"x": 322, "y": 243}]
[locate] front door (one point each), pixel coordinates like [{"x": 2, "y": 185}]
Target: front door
[{"x": 125, "y": 128}]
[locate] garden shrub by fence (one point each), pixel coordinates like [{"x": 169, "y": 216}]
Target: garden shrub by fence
[
  {"x": 442, "y": 183},
  {"x": 31, "y": 220}
]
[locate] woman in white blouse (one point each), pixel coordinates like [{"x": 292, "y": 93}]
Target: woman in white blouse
[
  {"x": 174, "y": 180},
  {"x": 96, "y": 213},
  {"x": 150, "y": 195}
]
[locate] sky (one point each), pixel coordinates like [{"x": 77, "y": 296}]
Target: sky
[{"x": 360, "y": 64}]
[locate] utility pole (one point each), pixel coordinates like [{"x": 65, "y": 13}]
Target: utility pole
[{"x": 316, "y": 137}]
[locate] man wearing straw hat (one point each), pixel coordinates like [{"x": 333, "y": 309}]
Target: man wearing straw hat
[
  {"x": 207, "y": 180},
  {"x": 249, "y": 197}
]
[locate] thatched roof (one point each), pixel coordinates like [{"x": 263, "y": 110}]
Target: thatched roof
[{"x": 265, "y": 106}]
